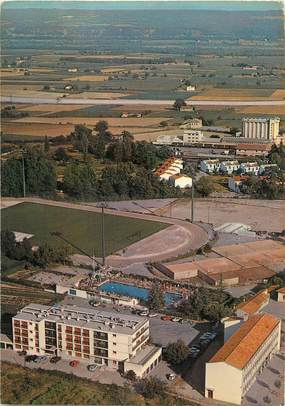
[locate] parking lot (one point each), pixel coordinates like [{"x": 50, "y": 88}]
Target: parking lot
[
  {"x": 162, "y": 332},
  {"x": 102, "y": 375}
]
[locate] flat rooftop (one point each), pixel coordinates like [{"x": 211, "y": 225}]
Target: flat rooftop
[
  {"x": 144, "y": 355},
  {"x": 105, "y": 321}
]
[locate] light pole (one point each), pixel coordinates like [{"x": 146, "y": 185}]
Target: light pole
[
  {"x": 103, "y": 205},
  {"x": 23, "y": 174},
  {"x": 192, "y": 203}
]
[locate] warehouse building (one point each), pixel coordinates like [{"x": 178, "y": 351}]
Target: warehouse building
[
  {"x": 96, "y": 336},
  {"x": 234, "y": 368}
]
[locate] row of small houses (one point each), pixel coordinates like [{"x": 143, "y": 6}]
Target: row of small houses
[
  {"x": 169, "y": 171},
  {"x": 229, "y": 167}
]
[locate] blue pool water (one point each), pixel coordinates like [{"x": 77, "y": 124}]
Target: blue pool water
[{"x": 133, "y": 291}]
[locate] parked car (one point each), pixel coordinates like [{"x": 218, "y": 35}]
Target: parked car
[
  {"x": 40, "y": 358},
  {"x": 54, "y": 360},
  {"x": 93, "y": 367},
  {"x": 153, "y": 315},
  {"x": 144, "y": 313},
  {"x": 74, "y": 363},
  {"x": 21, "y": 353},
  {"x": 169, "y": 318},
  {"x": 177, "y": 319},
  {"x": 31, "y": 358},
  {"x": 171, "y": 377}
]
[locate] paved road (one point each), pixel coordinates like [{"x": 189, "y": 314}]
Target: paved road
[{"x": 52, "y": 100}]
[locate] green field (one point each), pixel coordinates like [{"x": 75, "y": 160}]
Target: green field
[{"x": 82, "y": 229}]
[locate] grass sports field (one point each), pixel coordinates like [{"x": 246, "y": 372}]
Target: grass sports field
[{"x": 82, "y": 229}]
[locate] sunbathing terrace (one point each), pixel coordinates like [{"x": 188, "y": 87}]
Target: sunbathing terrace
[{"x": 232, "y": 264}]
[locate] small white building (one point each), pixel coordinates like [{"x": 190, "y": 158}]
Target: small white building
[
  {"x": 210, "y": 165},
  {"x": 181, "y": 181},
  {"x": 190, "y": 88},
  {"x": 74, "y": 70},
  {"x": 250, "y": 167},
  {"x": 193, "y": 123},
  {"x": 229, "y": 166},
  {"x": 281, "y": 295},
  {"x": 192, "y": 136},
  {"x": 168, "y": 140}
]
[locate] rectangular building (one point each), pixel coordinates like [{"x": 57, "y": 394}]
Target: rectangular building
[
  {"x": 229, "y": 166},
  {"x": 192, "y": 136},
  {"x": 261, "y": 128},
  {"x": 233, "y": 369},
  {"x": 100, "y": 337},
  {"x": 210, "y": 165}
]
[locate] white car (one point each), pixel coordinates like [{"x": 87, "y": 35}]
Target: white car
[
  {"x": 144, "y": 313},
  {"x": 176, "y": 319},
  {"x": 171, "y": 377},
  {"x": 153, "y": 315}
]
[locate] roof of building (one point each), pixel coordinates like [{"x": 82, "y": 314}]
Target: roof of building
[
  {"x": 82, "y": 317},
  {"x": 254, "y": 304},
  {"x": 255, "y": 147},
  {"x": 180, "y": 176},
  {"x": 245, "y": 342},
  {"x": 281, "y": 290}
]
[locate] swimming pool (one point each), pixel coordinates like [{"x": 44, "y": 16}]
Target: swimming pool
[{"x": 133, "y": 291}]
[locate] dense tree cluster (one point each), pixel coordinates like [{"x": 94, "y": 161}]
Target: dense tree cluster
[
  {"x": 156, "y": 299},
  {"x": 271, "y": 188},
  {"x": 22, "y": 251},
  {"x": 39, "y": 174},
  {"x": 206, "y": 304},
  {"x": 176, "y": 353},
  {"x": 151, "y": 387}
]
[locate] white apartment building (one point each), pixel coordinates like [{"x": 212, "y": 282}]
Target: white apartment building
[
  {"x": 261, "y": 128},
  {"x": 250, "y": 168},
  {"x": 192, "y": 136},
  {"x": 229, "y": 166},
  {"x": 233, "y": 369},
  {"x": 281, "y": 295},
  {"x": 210, "y": 165},
  {"x": 101, "y": 337}
]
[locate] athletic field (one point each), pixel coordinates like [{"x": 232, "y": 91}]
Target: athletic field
[{"x": 79, "y": 229}]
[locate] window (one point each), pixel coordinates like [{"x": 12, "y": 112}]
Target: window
[
  {"x": 114, "y": 352},
  {"x": 16, "y": 323},
  {"x": 86, "y": 333},
  {"x": 68, "y": 329},
  {"x": 68, "y": 337},
  {"x": 69, "y": 352},
  {"x": 114, "y": 335},
  {"x": 78, "y": 354},
  {"x": 24, "y": 324},
  {"x": 77, "y": 331},
  {"x": 114, "y": 343},
  {"x": 18, "y": 346}
]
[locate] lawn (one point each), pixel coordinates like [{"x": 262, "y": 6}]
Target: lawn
[{"x": 82, "y": 229}]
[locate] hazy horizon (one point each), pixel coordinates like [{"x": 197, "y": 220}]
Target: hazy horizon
[{"x": 230, "y": 5}]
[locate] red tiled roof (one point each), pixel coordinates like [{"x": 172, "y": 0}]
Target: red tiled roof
[
  {"x": 245, "y": 342},
  {"x": 252, "y": 305}
]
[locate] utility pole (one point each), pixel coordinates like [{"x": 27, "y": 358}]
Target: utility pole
[
  {"x": 23, "y": 175},
  {"x": 192, "y": 203}
]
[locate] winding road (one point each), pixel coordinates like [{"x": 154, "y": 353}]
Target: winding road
[{"x": 52, "y": 100}]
